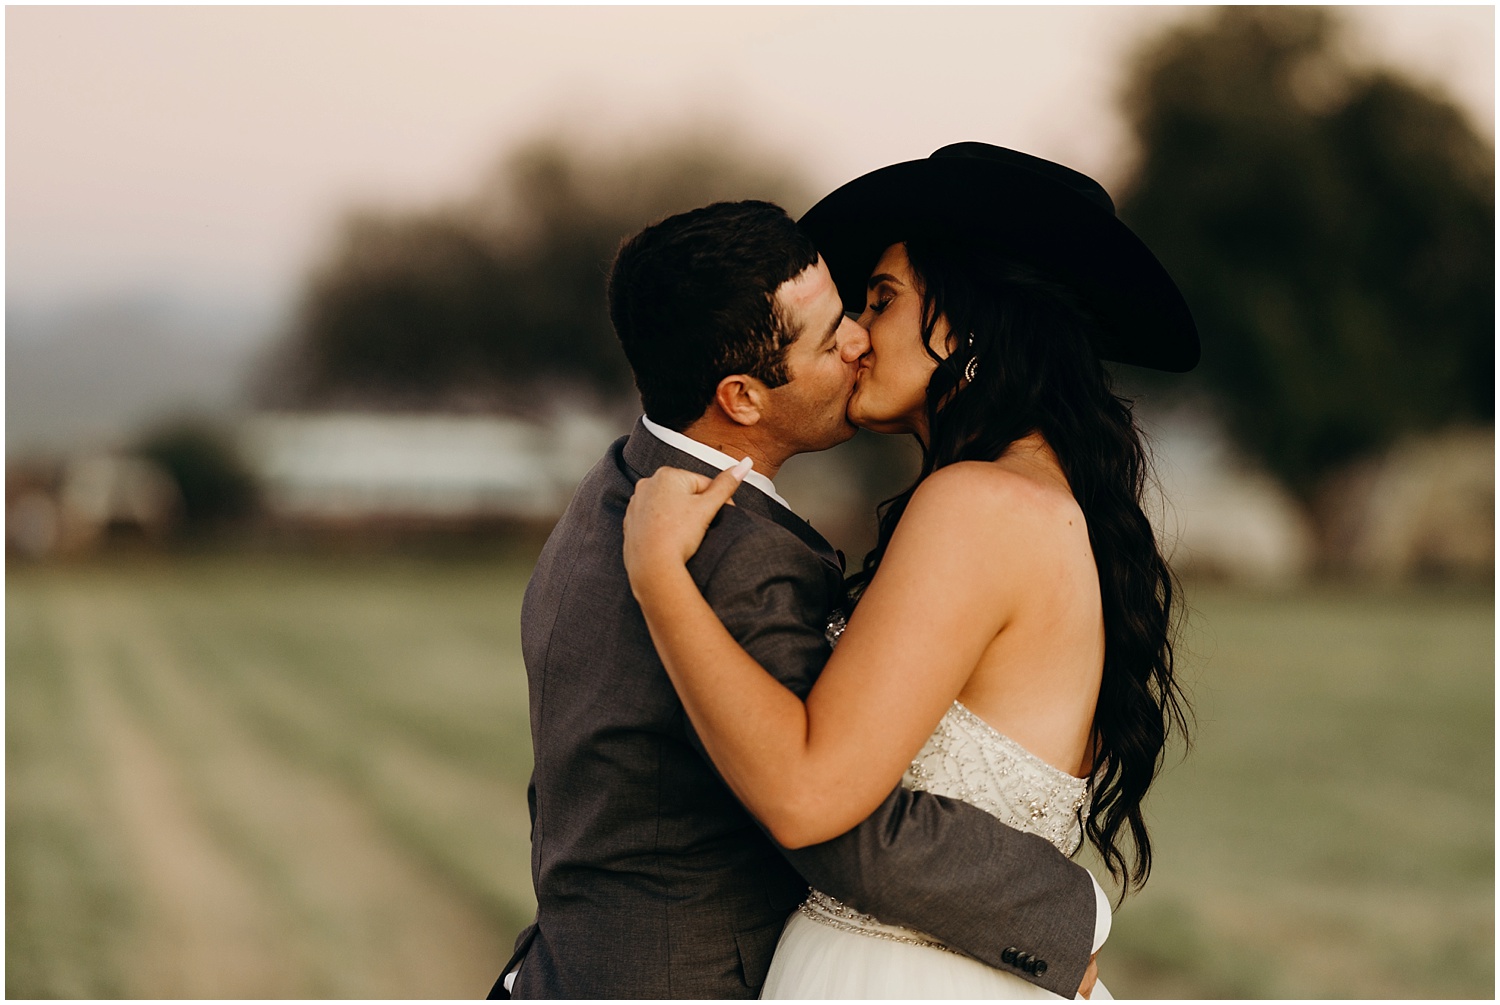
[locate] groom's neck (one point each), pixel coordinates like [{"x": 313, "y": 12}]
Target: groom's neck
[{"x": 736, "y": 440}]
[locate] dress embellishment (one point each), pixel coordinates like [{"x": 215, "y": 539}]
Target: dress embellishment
[
  {"x": 967, "y": 758},
  {"x": 835, "y": 629},
  {"x": 836, "y": 914}
]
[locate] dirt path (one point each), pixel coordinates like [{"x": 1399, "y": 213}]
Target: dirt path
[{"x": 256, "y": 875}]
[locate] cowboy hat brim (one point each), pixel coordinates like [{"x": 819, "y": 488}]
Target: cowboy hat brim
[{"x": 1049, "y": 220}]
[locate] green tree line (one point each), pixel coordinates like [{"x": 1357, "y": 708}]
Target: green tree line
[{"x": 1332, "y": 230}]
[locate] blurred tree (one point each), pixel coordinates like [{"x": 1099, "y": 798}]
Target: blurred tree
[
  {"x": 498, "y": 300},
  {"x": 216, "y": 485},
  {"x": 1332, "y": 230}
]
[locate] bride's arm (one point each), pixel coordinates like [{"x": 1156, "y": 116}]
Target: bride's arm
[{"x": 810, "y": 772}]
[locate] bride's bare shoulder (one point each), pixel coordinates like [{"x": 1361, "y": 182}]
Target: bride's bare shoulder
[{"x": 983, "y": 494}]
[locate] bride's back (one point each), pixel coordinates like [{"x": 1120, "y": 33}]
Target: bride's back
[{"x": 1038, "y": 679}]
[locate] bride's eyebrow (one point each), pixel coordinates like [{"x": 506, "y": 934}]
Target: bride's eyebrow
[{"x": 883, "y": 277}]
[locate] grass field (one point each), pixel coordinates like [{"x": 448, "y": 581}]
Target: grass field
[{"x": 271, "y": 777}]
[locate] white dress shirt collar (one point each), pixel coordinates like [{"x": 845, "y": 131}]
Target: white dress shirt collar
[{"x": 708, "y": 455}]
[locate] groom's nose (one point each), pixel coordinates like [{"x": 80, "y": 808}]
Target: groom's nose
[{"x": 853, "y": 340}]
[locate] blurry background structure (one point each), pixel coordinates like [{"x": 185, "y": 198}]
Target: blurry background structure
[{"x": 306, "y": 348}]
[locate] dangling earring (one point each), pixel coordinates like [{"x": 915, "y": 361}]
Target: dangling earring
[{"x": 971, "y": 368}]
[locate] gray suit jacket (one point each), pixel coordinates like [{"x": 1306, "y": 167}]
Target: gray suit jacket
[{"x": 652, "y": 881}]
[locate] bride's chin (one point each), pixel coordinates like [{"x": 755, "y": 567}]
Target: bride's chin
[
  {"x": 877, "y": 423},
  {"x": 862, "y": 418},
  {"x": 853, "y": 412}
]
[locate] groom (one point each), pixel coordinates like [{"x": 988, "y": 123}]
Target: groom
[{"x": 651, "y": 880}]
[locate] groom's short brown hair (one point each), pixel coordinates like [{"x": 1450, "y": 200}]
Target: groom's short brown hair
[{"x": 693, "y": 300}]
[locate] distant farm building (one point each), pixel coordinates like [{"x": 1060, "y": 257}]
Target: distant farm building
[{"x": 355, "y": 468}]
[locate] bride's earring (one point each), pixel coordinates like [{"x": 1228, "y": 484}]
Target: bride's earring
[{"x": 971, "y": 368}]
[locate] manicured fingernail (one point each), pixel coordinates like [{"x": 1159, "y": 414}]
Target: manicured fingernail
[{"x": 742, "y": 469}]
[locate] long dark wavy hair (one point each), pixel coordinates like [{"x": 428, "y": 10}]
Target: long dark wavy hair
[{"x": 1037, "y": 372}]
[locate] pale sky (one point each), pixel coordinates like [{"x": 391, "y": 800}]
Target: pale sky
[{"x": 208, "y": 152}]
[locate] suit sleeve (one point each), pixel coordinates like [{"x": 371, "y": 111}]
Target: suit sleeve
[{"x": 920, "y": 860}]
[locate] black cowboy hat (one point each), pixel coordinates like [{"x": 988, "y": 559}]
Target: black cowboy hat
[{"x": 1046, "y": 215}]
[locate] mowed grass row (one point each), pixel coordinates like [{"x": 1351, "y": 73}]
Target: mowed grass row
[{"x": 232, "y": 776}]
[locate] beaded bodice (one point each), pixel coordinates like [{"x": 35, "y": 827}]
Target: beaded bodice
[{"x": 966, "y": 758}]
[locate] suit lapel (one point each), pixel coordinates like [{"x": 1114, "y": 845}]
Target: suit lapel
[{"x": 644, "y": 453}]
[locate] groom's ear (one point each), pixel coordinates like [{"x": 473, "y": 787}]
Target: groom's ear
[{"x": 740, "y": 398}]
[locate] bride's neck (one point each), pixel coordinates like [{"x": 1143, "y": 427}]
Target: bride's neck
[{"x": 1034, "y": 454}]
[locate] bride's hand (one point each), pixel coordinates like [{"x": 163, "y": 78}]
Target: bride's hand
[{"x": 668, "y": 516}]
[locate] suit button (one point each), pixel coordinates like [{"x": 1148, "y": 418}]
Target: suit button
[
  {"x": 1009, "y": 956},
  {"x": 1040, "y": 967},
  {"x": 1022, "y": 959}
]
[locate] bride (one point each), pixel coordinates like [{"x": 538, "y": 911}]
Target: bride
[{"x": 1009, "y": 640}]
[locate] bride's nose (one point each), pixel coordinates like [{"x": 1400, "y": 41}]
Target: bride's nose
[{"x": 853, "y": 340}]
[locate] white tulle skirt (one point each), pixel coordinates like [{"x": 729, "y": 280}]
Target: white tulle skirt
[{"x": 814, "y": 960}]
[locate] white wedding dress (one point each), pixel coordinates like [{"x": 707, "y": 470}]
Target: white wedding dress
[{"x": 829, "y": 950}]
